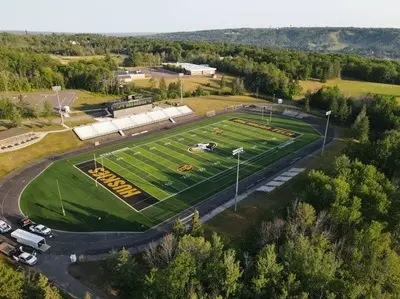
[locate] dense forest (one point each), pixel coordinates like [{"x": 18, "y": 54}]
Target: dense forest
[
  {"x": 373, "y": 42},
  {"x": 26, "y": 66}
]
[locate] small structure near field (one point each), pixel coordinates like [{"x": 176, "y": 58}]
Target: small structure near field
[
  {"x": 13, "y": 139},
  {"x": 190, "y": 68},
  {"x": 129, "y": 76},
  {"x": 132, "y": 104}
]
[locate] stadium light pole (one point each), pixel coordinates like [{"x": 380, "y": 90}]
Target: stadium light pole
[
  {"x": 328, "y": 113},
  {"x": 237, "y": 152},
  {"x": 61, "y": 201},
  {"x": 57, "y": 88}
]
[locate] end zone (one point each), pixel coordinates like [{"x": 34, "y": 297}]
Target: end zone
[{"x": 120, "y": 187}]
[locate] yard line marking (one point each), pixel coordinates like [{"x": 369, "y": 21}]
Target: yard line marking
[
  {"x": 210, "y": 178},
  {"x": 200, "y": 159},
  {"x": 223, "y": 190},
  {"x": 164, "y": 159},
  {"x": 161, "y": 162},
  {"x": 130, "y": 172},
  {"x": 146, "y": 157},
  {"x": 149, "y": 173}
]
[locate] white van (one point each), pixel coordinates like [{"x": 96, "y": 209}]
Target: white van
[{"x": 29, "y": 239}]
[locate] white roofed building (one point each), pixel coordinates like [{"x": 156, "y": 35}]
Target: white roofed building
[{"x": 192, "y": 69}]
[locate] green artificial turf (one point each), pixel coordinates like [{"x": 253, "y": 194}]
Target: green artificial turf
[{"x": 152, "y": 164}]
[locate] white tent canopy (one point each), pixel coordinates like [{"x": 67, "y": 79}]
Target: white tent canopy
[{"x": 130, "y": 122}]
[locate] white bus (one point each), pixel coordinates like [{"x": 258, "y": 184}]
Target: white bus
[{"x": 29, "y": 239}]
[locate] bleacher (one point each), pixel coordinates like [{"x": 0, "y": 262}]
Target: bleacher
[{"x": 130, "y": 122}]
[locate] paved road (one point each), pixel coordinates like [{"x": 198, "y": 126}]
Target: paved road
[{"x": 64, "y": 243}]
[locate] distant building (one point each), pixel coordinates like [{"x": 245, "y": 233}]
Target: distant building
[
  {"x": 191, "y": 69},
  {"x": 129, "y": 76}
]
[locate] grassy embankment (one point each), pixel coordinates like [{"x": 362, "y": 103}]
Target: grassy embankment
[{"x": 354, "y": 88}]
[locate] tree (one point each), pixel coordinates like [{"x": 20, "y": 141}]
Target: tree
[
  {"x": 268, "y": 273},
  {"x": 222, "y": 82},
  {"x": 199, "y": 91},
  {"x": 153, "y": 82},
  {"x": 47, "y": 109},
  {"x": 178, "y": 228},
  {"x": 313, "y": 262},
  {"x": 238, "y": 87},
  {"x": 11, "y": 282},
  {"x": 302, "y": 217},
  {"x": 360, "y": 127},
  {"x": 6, "y": 109},
  {"x": 374, "y": 268},
  {"x": 163, "y": 85},
  {"x": 167, "y": 249},
  {"x": 124, "y": 272},
  {"x": 307, "y": 98},
  {"x": 196, "y": 227},
  {"x": 15, "y": 117},
  {"x": 46, "y": 290},
  {"x": 178, "y": 277},
  {"x": 231, "y": 274}
]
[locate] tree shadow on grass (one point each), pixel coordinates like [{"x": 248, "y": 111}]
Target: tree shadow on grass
[{"x": 89, "y": 219}]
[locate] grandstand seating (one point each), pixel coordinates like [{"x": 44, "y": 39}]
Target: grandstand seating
[
  {"x": 130, "y": 122},
  {"x": 172, "y": 112}
]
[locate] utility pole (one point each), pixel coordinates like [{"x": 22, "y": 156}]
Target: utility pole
[
  {"x": 328, "y": 113},
  {"x": 57, "y": 89},
  {"x": 237, "y": 152},
  {"x": 61, "y": 201}
]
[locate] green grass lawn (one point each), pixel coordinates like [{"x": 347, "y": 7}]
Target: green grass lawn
[
  {"x": 152, "y": 165},
  {"x": 354, "y": 88}
]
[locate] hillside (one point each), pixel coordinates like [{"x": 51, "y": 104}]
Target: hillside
[{"x": 374, "y": 42}]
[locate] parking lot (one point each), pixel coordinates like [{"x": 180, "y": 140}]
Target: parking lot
[
  {"x": 156, "y": 72},
  {"x": 67, "y": 98}
]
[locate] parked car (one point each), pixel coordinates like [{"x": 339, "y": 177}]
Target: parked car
[
  {"x": 33, "y": 227},
  {"x": 18, "y": 254},
  {"x": 4, "y": 227},
  {"x": 40, "y": 229},
  {"x": 25, "y": 258}
]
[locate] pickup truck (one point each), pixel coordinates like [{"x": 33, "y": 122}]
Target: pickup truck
[
  {"x": 33, "y": 227},
  {"x": 18, "y": 255},
  {"x": 4, "y": 227}
]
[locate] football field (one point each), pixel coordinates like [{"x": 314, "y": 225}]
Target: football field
[{"x": 140, "y": 183}]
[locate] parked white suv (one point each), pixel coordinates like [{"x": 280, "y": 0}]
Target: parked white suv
[{"x": 4, "y": 227}]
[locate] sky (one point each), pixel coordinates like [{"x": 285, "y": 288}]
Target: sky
[{"x": 106, "y": 16}]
